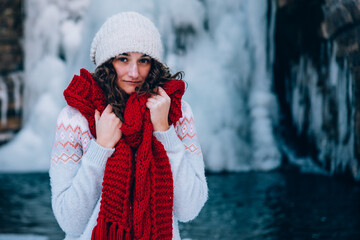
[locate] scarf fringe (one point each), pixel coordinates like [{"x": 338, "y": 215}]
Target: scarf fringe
[
  {"x": 127, "y": 236},
  {"x": 102, "y": 232},
  {"x": 113, "y": 232},
  {"x": 99, "y": 231}
]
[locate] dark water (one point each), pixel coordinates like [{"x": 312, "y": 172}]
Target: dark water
[{"x": 241, "y": 206}]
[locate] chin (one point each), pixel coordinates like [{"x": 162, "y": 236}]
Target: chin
[{"x": 130, "y": 91}]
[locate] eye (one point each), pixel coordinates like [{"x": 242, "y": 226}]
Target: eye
[
  {"x": 122, "y": 59},
  {"x": 144, "y": 60}
]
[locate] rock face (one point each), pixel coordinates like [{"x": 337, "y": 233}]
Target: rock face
[
  {"x": 11, "y": 67},
  {"x": 317, "y": 75},
  {"x": 341, "y": 25}
]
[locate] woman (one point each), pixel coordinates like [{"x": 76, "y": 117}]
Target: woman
[{"x": 126, "y": 163}]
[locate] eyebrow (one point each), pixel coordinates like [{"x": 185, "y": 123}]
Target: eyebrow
[{"x": 126, "y": 54}]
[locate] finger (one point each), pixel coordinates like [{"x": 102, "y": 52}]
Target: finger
[
  {"x": 108, "y": 109},
  {"x": 150, "y": 104},
  {"x": 156, "y": 97},
  {"x": 97, "y": 116},
  {"x": 162, "y": 92},
  {"x": 118, "y": 124},
  {"x": 152, "y": 100}
]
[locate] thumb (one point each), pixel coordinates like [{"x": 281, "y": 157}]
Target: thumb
[{"x": 97, "y": 116}]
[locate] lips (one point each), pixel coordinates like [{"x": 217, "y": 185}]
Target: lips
[{"x": 132, "y": 82}]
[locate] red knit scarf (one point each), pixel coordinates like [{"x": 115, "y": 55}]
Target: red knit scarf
[{"x": 137, "y": 196}]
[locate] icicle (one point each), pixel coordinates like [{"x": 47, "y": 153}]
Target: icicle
[
  {"x": 271, "y": 37},
  {"x": 4, "y": 101},
  {"x": 16, "y": 78},
  {"x": 262, "y": 101}
]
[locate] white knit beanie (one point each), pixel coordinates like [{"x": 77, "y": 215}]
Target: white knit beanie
[{"x": 126, "y": 32}]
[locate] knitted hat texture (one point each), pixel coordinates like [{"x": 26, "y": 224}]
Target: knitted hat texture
[{"x": 126, "y": 32}]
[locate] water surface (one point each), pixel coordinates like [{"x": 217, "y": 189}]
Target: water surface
[{"x": 244, "y": 206}]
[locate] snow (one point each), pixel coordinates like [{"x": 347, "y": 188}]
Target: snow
[
  {"x": 220, "y": 45},
  {"x": 21, "y": 237}
]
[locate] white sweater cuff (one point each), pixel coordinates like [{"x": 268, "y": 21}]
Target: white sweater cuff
[
  {"x": 97, "y": 154},
  {"x": 168, "y": 138}
]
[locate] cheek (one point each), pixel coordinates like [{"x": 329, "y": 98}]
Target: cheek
[
  {"x": 145, "y": 72},
  {"x": 119, "y": 70}
]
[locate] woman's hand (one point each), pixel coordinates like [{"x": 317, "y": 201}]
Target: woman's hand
[
  {"x": 159, "y": 106},
  {"x": 107, "y": 127}
]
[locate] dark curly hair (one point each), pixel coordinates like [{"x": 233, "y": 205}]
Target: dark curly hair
[{"x": 105, "y": 76}]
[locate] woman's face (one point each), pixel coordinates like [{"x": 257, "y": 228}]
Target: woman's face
[{"x": 132, "y": 69}]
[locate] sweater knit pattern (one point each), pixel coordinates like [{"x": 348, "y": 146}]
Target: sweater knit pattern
[
  {"x": 187, "y": 133},
  {"x": 136, "y": 198}
]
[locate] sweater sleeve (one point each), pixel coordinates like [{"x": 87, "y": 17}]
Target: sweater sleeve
[
  {"x": 182, "y": 146},
  {"x": 76, "y": 172}
]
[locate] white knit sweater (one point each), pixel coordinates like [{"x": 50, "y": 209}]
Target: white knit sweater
[{"x": 78, "y": 164}]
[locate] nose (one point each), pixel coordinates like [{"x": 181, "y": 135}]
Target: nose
[{"x": 133, "y": 70}]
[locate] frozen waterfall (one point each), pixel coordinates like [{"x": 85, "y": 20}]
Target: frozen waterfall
[{"x": 224, "y": 47}]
